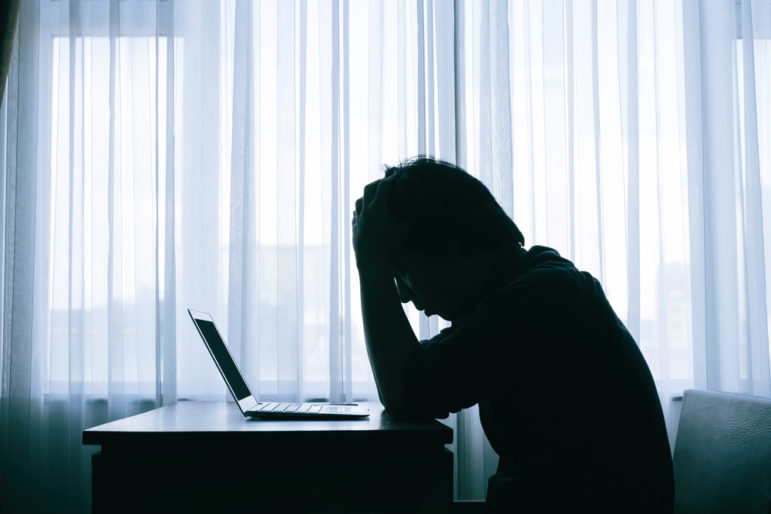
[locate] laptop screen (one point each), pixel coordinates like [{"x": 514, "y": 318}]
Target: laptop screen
[{"x": 224, "y": 360}]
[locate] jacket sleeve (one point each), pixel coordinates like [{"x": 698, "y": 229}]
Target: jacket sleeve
[{"x": 458, "y": 367}]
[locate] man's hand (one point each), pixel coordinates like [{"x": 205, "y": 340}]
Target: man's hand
[
  {"x": 377, "y": 236},
  {"x": 377, "y": 233}
]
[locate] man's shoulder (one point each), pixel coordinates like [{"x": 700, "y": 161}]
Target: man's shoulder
[
  {"x": 544, "y": 273},
  {"x": 546, "y": 289}
]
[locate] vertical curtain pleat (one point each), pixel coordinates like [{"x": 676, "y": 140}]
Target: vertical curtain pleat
[
  {"x": 241, "y": 186},
  {"x": 75, "y": 257},
  {"x": 721, "y": 295},
  {"x": 168, "y": 316},
  {"x": 253, "y": 315},
  {"x": 286, "y": 205},
  {"x": 627, "y": 34},
  {"x": 345, "y": 227},
  {"x": 421, "y": 73},
  {"x": 201, "y": 267},
  {"x": 114, "y": 336},
  {"x": 157, "y": 217},
  {"x": 555, "y": 119},
  {"x": 445, "y": 79},
  {"x": 335, "y": 316},
  {"x": 429, "y": 69},
  {"x": 658, "y": 213},
  {"x": 424, "y": 107},
  {"x": 753, "y": 235},
  {"x": 301, "y": 188},
  {"x": 696, "y": 191},
  {"x": 570, "y": 101},
  {"x": 401, "y": 70},
  {"x": 376, "y": 104},
  {"x": 483, "y": 136},
  {"x": 459, "y": 77},
  {"x": 533, "y": 226},
  {"x": 469, "y": 446},
  {"x": 21, "y": 404},
  {"x": 500, "y": 107},
  {"x": 597, "y": 135}
]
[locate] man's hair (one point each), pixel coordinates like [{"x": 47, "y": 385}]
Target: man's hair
[{"x": 445, "y": 204}]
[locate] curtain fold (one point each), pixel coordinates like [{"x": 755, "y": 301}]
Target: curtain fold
[
  {"x": 9, "y": 14},
  {"x": 22, "y": 411},
  {"x": 727, "y": 194},
  {"x": 161, "y": 154}
]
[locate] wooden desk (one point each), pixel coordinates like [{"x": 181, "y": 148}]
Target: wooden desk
[{"x": 206, "y": 457}]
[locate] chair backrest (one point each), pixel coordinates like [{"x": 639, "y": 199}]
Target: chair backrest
[{"x": 722, "y": 458}]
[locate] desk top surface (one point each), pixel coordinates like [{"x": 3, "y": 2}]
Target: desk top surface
[{"x": 188, "y": 422}]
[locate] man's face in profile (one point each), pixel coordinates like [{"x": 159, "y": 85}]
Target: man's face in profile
[{"x": 429, "y": 283}]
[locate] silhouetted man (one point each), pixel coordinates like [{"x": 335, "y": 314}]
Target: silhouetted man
[{"x": 565, "y": 396}]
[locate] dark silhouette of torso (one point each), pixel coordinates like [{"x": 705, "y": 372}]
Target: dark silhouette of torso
[{"x": 565, "y": 396}]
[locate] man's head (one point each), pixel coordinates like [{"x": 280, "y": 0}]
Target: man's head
[
  {"x": 458, "y": 229},
  {"x": 449, "y": 207}
]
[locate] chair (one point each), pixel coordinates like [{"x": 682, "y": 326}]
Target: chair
[{"x": 722, "y": 458}]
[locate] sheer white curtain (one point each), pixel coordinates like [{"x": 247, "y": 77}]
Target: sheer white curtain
[
  {"x": 635, "y": 138},
  {"x": 159, "y": 154}
]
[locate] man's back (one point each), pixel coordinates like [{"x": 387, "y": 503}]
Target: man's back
[{"x": 565, "y": 396}]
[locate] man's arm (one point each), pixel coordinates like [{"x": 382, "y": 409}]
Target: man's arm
[
  {"x": 387, "y": 331},
  {"x": 388, "y": 335}
]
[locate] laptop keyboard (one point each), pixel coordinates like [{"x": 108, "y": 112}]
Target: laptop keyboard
[{"x": 289, "y": 407}]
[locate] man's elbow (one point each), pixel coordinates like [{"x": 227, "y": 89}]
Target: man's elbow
[
  {"x": 405, "y": 410},
  {"x": 395, "y": 404},
  {"x": 397, "y": 410}
]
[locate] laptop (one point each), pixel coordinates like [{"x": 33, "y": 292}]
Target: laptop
[{"x": 249, "y": 406}]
